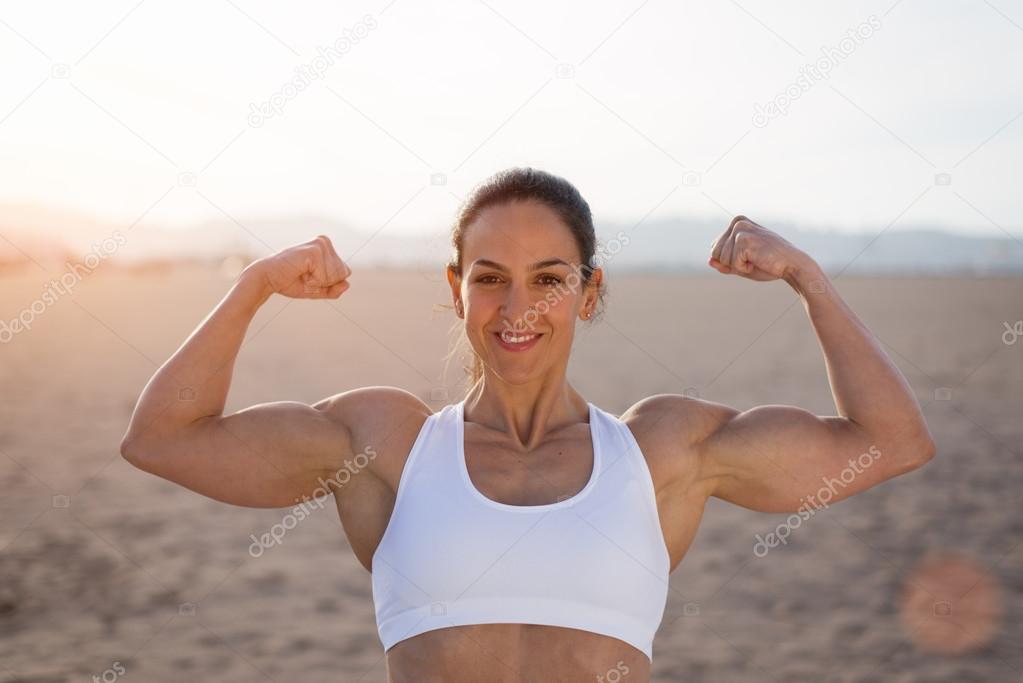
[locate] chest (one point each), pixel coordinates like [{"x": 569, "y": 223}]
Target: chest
[{"x": 556, "y": 471}]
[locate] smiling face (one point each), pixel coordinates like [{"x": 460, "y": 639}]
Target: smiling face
[{"x": 521, "y": 289}]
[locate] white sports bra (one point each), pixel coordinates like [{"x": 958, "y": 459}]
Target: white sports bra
[{"x": 451, "y": 556}]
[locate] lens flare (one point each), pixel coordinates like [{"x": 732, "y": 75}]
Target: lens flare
[{"x": 950, "y": 604}]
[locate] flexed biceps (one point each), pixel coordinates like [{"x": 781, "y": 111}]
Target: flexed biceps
[{"x": 443, "y": 492}]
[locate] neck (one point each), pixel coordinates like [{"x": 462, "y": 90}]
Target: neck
[{"x": 525, "y": 412}]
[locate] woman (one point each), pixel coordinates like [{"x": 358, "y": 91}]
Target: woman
[{"x": 529, "y": 534}]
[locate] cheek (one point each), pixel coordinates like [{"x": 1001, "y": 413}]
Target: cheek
[
  {"x": 558, "y": 305},
  {"x": 482, "y": 302},
  {"x": 555, "y": 312}
]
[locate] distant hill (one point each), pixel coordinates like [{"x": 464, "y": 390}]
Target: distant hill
[
  {"x": 682, "y": 244},
  {"x": 31, "y": 233}
]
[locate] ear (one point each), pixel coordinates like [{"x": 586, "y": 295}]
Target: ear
[
  {"x": 592, "y": 291},
  {"x": 455, "y": 282}
]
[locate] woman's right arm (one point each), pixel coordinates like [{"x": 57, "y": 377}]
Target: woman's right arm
[{"x": 267, "y": 455}]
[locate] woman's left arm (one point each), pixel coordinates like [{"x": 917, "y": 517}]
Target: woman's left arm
[{"x": 772, "y": 457}]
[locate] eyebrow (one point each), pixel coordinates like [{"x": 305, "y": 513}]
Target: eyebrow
[{"x": 482, "y": 262}]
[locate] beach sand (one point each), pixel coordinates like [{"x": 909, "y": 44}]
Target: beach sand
[{"x": 106, "y": 571}]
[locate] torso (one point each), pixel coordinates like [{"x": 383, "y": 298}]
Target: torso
[{"x": 557, "y": 470}]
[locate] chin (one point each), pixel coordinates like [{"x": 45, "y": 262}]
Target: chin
[{"x": 515, "y": 374}]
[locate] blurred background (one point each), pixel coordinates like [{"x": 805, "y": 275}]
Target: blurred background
[{"x": 150, "y": 150}]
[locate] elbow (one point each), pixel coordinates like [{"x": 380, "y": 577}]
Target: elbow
[
  {"x": 927, "y": 451},
  {"x": 918, "y": 453},
  {"x": 908, "y": 447},
  {"x": 925, "y": 448},
  {"x": 131, "y": 451}
]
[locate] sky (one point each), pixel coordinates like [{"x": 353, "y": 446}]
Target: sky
[{"x": 384, "y": 115}]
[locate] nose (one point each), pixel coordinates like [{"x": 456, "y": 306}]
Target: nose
[{"x": 517, "y": 306}]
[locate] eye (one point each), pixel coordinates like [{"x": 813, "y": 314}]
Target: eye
[
  {"x": 551, "y": 280},
  {"x": 487, "y": 279}
]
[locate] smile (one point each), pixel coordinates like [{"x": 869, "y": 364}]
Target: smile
[{"x": 516, "y": 342}]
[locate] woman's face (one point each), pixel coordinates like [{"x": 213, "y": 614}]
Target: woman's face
[{"x": 521, "y": 289}]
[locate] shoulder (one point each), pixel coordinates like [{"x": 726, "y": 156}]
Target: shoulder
[
  {"x": 670, "y": 429},
  {"x": 374, "y": 411},
  {"x": 369, "y": 401},
  {"x": 674, "y": 419},
  {"x": 380, "y": 420}
]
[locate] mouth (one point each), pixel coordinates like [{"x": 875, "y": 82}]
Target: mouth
[{"x": 513, "y": 341}]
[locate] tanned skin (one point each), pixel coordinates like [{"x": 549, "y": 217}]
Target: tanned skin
[{"x": 526, "y": 435}]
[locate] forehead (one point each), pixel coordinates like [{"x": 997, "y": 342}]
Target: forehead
[{"x": 518, "y": 232}]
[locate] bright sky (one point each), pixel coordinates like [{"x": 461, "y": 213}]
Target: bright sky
[{"x": 121, "y": 108}]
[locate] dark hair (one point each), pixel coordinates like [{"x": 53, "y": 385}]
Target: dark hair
[{"x": 525, "y": 184}]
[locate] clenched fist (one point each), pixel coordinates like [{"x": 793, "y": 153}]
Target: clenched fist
[
  {"x": 752, "y": 251},
  {"x": 311, "y": 270}
]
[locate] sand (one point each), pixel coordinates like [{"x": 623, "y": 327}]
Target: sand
[{"x": 111, "y": 573}]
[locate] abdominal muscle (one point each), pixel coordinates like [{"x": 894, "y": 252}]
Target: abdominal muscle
[{"x": 514, "y": 653}]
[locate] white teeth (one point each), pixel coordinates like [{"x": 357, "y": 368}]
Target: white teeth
[{"x": 511, "y": 339}]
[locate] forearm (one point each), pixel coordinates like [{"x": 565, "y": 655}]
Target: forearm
[
  {"x": 868, "y": 388},
  {"x": 195, "y": 380}
]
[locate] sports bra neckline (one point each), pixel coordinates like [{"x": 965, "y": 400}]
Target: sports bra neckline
[{"x": 463, "y": 468}]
